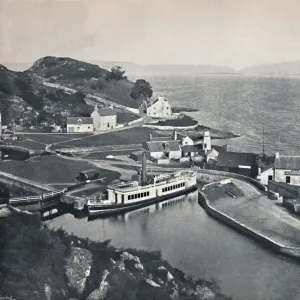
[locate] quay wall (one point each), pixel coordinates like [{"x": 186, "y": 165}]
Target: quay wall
[
  {"x": 99, "y": 148},
  {"x": 205, "y": 175},
  {"x": 244, "y": 229},
  {"x": 15, "y": 182},
  {"x": 168, "y": 128},
  {"x": 285, "y": 190}
]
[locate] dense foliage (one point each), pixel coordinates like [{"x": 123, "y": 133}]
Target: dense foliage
[
  {"x": 33, "y": 257},
  {"x": 141, "y": 89},
  {"x": 116, "y": 73}
]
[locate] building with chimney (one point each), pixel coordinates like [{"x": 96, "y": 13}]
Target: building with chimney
[
  {"x": 159, "y": 108},
  {"x": 286, "y": 169},
  {"x": 239, "y": 163},
  {"x": 104, "y": 118},
  {"x": 79, "y": 124}
]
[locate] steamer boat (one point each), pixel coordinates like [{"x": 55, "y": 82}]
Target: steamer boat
[{"x": 147, "y": 190}]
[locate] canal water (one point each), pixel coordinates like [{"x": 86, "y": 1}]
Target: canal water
[{"x": 198, "y": 245}]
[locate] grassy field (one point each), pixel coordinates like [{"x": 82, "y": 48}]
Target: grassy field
[
  {"x": 53, "y": 138},
  {"x": 52, "y": 169},
  {"x": 129, "y": 136},
  {"x": 103, "y": 154}
]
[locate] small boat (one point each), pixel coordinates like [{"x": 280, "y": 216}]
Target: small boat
[{"x": 127, "y": 196}]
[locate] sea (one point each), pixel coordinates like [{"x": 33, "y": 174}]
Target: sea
[
  {"x": 187, "y": 237},
  {"x": 245, "y": 105}
]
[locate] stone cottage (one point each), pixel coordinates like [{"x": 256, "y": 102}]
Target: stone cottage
[
  {"x": 104, "y": 118},
  {"x": 159, "y": 108},
  {"x": 80, "y": 124}
]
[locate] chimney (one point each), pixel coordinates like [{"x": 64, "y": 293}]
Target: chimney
[
  {"x": 277, "y": 155},
  {"x": 175, "y": 135},
  {"x": 144, "y": 171},
  {"x": 150, "y": 136}
]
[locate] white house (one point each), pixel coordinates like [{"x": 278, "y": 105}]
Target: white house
[
  {"x": 104, "y": 118},
  {"x": 287, "y": 169},
  {"x": 80, "y": 124},
  {"x": 159, "y": 108},
  {"x": 265, "y": 174},
  {"x": 162, "y": 148},
  {"x": 206, "y": 141}
]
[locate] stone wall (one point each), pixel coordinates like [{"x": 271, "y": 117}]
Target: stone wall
[
  {"x": 285, "y": 190},
  {"x": 286, "y": 250},
  {"x": 170, "y": 128},
  {"x": 214, "y": 175}
]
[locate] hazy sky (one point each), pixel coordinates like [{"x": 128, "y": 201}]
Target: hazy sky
[{"x": 235, "y": 33}]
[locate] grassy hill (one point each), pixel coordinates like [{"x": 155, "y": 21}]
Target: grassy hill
[
  {"x": 86, "y": 77},
  {"x": 23, "y": 94}
]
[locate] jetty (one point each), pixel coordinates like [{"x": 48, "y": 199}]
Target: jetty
[{"x": 248, "y": 210}]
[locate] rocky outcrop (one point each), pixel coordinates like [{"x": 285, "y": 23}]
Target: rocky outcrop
[
  {"x": 204, "y": 293},
  {"x": 78, "y": 266},
  {"x": 4, "y": 212},
  {"x": 128, "y": 256},
  {"x": 100, "y": 293}
]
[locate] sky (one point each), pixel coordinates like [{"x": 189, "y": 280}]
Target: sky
[{"x": 234, "y": 33}]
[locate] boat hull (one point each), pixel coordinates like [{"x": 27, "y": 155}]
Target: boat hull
[{"x": 108, "y": 210}]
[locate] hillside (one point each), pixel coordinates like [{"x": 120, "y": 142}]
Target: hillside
[
  {"x": 167, "y": 69},
  {"x": 23, "y": 94},
  {"x": 86, "y": 77},
  {"x": 286, "y": 68},
  {"x": 39, "y": 263}
]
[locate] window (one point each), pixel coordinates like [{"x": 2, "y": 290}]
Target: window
[
  {"x": 288, "y": 179},
  {"x": 270, "y": 177},
  {"x": 108, "y": 125},
  {"x": 89, "y": 127},
  {"x": 78, "y": 127}
]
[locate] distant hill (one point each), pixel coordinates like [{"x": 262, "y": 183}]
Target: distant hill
[
  {"x": 167, "y": 69},
  {"x": 23, "y": 94},
  {"x": 285, "y": 68}
]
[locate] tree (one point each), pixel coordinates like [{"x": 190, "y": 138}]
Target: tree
[
  {"x": 141, "y": 89},
  {"x": 116, "y": 73}
]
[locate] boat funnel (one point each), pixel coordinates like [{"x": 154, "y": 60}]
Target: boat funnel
[{"x": 144, "y": 171}]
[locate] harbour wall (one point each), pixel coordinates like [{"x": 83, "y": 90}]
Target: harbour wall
[
  {"x": 168, "y": 128},
  {"x": 17, "y": 184},
  {"x": 283, "y": 189},
  {"x": 293, "y": 252},
  {"x": 99, "y": 148},
  {"x": 205, "y": 175}
]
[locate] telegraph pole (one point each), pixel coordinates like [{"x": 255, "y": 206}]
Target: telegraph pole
[{"x": 263, "y": 140}]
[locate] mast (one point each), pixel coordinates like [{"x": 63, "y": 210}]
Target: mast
[{"x": 263, "y": 140}]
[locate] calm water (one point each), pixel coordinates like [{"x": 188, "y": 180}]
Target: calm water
[
  {"x": 241, "y": 104},
  {"x": 199, "y": 245},
  {"x": 188, "y": 238}
]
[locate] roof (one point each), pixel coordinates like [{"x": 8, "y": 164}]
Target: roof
[
  {"x": 161, "y": 138},
  {"x": 106, "y": 112},
  {"x": 213, "y": 152},
  {"x": 157, "y": 100},
  {"x": 287, "y": 162},
  {"x": 189, "y": 148},
  {"x": 235, "y": 159},
  {"x": 88, "y": 171},
  {"x": 158, "y": 146},
  {"x": 76, "y": 120}
]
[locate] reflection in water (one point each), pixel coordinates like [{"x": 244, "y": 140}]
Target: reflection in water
[
  {"x": 156, "y": 208},
  {"x": 198, "y": 245}
]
